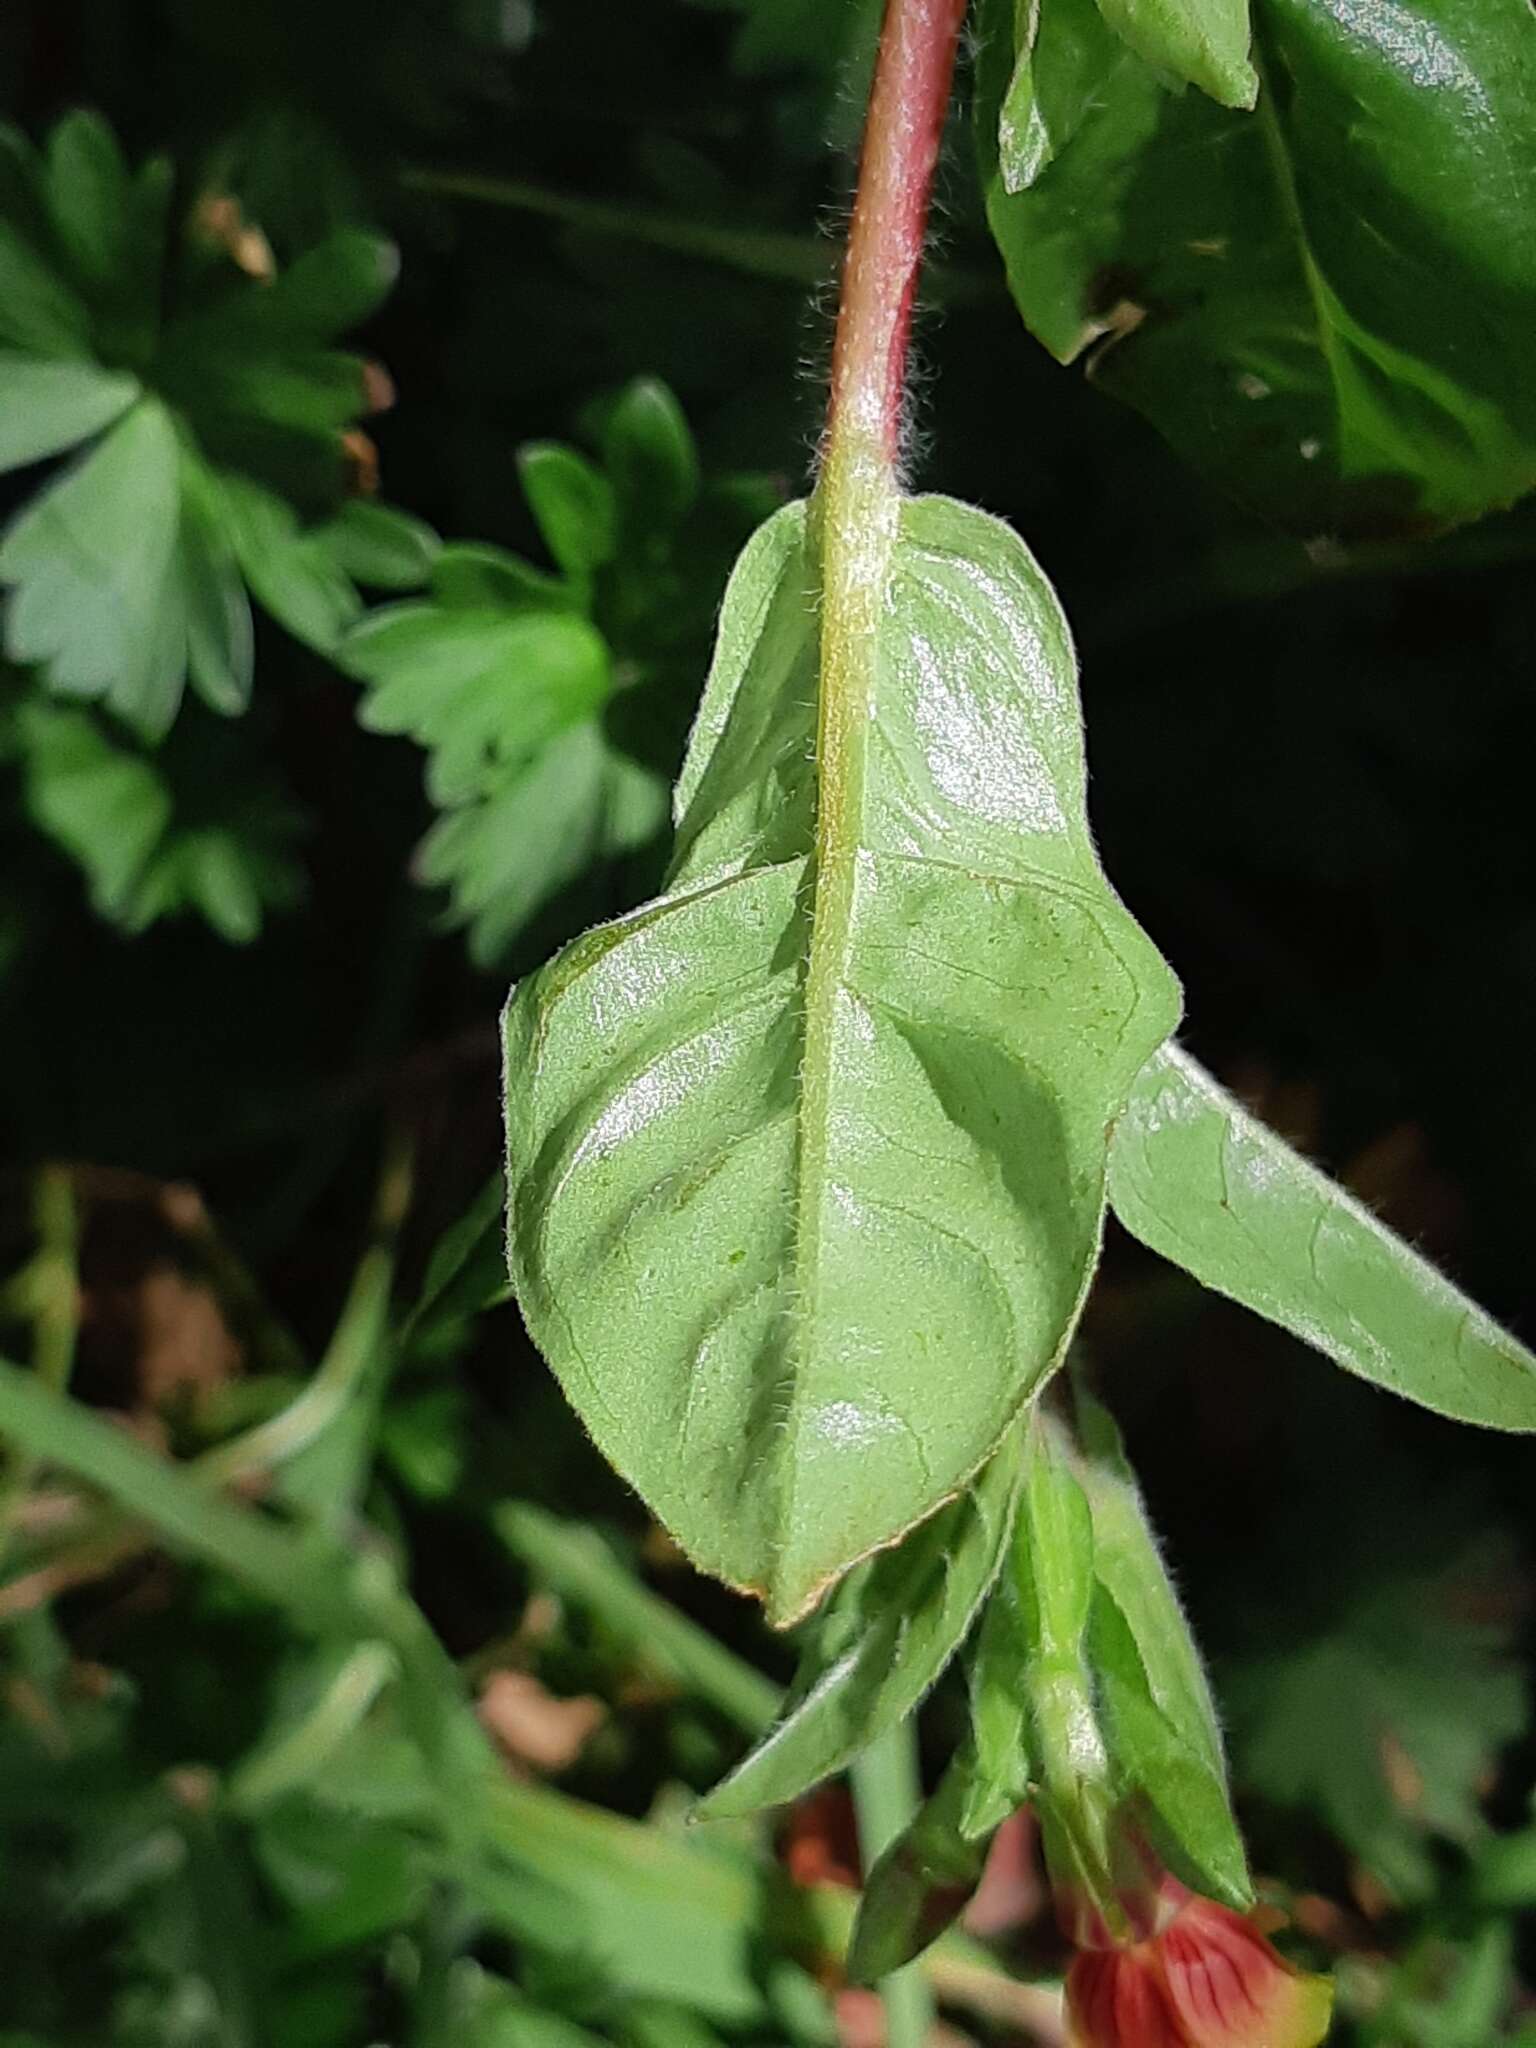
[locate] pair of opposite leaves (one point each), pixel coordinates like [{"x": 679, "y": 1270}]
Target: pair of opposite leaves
[{"x": 802, "y": 1234}]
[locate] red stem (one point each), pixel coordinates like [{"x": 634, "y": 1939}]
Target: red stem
[{"x": 902, "y": 133}]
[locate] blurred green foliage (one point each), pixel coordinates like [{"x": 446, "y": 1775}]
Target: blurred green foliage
[{"x": 316, "y": 1500}]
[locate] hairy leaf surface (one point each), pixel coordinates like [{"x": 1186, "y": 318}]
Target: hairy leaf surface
[
  {"x": 800, "y": 1229},
  {"x": 1325, "y": 304},
  {"x": 1199, "y": 1180}
]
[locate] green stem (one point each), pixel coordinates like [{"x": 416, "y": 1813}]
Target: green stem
[
  {"x": 52, "y": 1285},
  {"x": 886, "y": 1792},
  {"x": 578, "y": 1564},
  {"x": 356, "y": 1345},
  {"x": 794, "y": 259},
  {"x": 798, "y": 260}
]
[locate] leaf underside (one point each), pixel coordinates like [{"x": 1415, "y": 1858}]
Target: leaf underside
[
  {"x": 799, "y": 1329},
  {"x": 1209, "y": 1187}
]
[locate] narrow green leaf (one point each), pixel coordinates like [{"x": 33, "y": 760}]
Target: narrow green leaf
[
  {"x": 573, "y": 503},
  {"x": 574, "y": 1559},
  {"x": 806, "y": 1162},
  {"x": 291, "y": 571},
  {"x": 338, "y": 1686},
  {"x": 881, "y": 1644},
  {"x": 651, "y": 458},
  {"x": 921, "y": 1884},
  {"x": 88, "y": 194},
  {"x": 472, "y": 574},
  {"x": 1203, "y": 41},
  {"x": 1038, "y": 1619},
  {"x": 1209, "y": 1187},
  {"x": 331, "y": 288},
  {"x": 1159, "y": 1722},
  {"x": 451, "y": 1283},
  {"x": 1051, "y": 1561},
  {"x": 1000, "y": 1759},
  {"x": 380, "y": 546},
  {"x": 220, "y": 641},
  {"x": 47, "y": 405},
  {"x": 96, "y": 596},
  {"x": 39, "y": 313},
  {"x": 187, "y": 1515}
]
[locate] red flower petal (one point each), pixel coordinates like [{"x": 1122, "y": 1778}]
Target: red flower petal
[
  {"x": 1116, "y": 1999},
  {"x": 1209, "y": 1979}
]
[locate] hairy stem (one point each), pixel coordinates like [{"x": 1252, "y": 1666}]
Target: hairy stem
[
  {"x": 855, "y": 517},
  {"x": 51, "y": 1287},
  {"x": 902, "y": 133}
]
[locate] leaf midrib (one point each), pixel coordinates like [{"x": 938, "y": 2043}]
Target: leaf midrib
[{"x": 853, "y": 529}]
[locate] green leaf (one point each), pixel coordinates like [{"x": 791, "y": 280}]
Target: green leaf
[
  {"x": 290, "y": 569},
  {"x": 331, "y": 288},
  {"x": 38, "y": 311},
  {"x": 1203, "y": 41},
  {"x": 534, "y": 827},
  {"x": 473, "y": 573},
  {"x": 380, "y": 546},
  {"x": 573, "y": 503},
  {"x": 1061, "y": 57},
  {"x": 1209, "y": 1187},
  {"x": 1326, "y": 305},
  {"x": 220, "y": 641},
  {"x": 96, "y": 598},
  {"x": 48, "y": 405},
  {"x": 575, "y": 1561},
  {"x": 460, "y": 1279},
  {"x": 806, "y": 1174},
  {"x": 1000, "y": 1757},
  {"x": 1386, "y": 1723},
  {"x": 881, "y": 1644},
  {"x": 88, "y": 196},
  {"x": 921, "y": 1884},
  {"x": 1159, "y": 1722},
  {"x": 105, "y": 807},
  {"x": 117, "y": 814},
  {"x": 651, "y": 458},
  {"x": 476, "y": 686}
]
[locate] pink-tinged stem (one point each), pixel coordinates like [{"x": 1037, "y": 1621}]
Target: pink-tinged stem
[{"x": 902, "y": 133}]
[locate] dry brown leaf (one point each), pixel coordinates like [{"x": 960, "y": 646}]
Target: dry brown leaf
[
  {"x": 185, "y": 1342},
  {"x": 531, "y": 1726}
]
